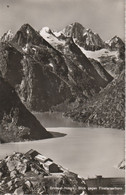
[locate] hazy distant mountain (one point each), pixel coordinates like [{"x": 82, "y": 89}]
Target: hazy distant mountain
[
  {"x": 46, "y": 73},
  {"x": 16, "y": 122}
]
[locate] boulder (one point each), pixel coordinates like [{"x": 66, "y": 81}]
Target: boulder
[
  {"x": 19, "y": 191},
  {"x": 13, "y": 174}
]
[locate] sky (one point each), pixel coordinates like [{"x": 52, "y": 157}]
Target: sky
[{"x": 105, "y": 17}]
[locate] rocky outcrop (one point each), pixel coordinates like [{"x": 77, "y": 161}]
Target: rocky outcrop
[
  {"x": 116, "y": 43},
  {"x": 16, "y": 122},
  {"x": 106, "y": 109},
  {"x": 113, "y": 64},
  {"x": 21, "y": 174},
  {"x": 7, "y": 36}
]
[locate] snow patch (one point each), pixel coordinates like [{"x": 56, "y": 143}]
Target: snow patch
[
  {"x": 50, "y": 64},
  {"x": 25, "y": 49},
  {"x": 98, "y": 53},
  {"x": 27, "y": 31},
  {"x": 34, "y": 49},
  {"x": 50, "y": 37},
  {"x": 57, "y": 34}
]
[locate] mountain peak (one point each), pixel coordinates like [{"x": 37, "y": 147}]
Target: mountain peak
[
  {"x": 116, "y": 38},
  {"x": 74, "y": 29},
  {"x": 27, "y": 28},
  {"x": 27, "y": 34},
  {"x": 26, "y": 25},
  {"x": 89, "y": 30},
  {"x": 77, "y": 24},
  {"x": 83, "y": 37},
  {"x": 116, "y": 43},
  {"x": 7, "y": 36}
]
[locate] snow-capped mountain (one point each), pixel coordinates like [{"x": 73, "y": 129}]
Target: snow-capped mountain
[
  {"x": 85, "y": 38},
  {"x": 110, "y": 53},
  {"x": 46, "y": 70}
]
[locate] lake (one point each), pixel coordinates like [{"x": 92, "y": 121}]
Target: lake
[{"x": 86, "y": 151}]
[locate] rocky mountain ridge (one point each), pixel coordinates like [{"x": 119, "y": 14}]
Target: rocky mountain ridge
[
  {"x": 85, "y": 38},
  {"x": 7, "y": 36},
  {"x": 110, "y": 53},
  {"x": 44, "y": 72},
  {"x": 106, "y": 109},
  {"x": 16, "y": 122},
  {"x": 49, "y": 68}
]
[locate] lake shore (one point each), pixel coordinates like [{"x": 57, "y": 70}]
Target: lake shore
[{"x": 86, "y": 151}]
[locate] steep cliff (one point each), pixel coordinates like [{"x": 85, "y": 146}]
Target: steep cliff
[{"x": 16, "y": 122}]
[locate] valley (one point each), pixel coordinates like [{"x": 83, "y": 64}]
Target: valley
[{"x": 62, "y": 94}]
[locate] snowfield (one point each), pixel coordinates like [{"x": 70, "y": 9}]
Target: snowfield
[
  {"x": 47, "y": 34},
  {"x": 98, "y": 53}
]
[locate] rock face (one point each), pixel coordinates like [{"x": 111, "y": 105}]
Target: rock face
[
  {"x": 46, "y": 74},
  {"x": 116, "y": 43},
  {"x": 22, "y": 174},
  {"x": 106, "y": 109},
  {"x": 16, "y": 122},
  {"x": 7, "y": 36},
  {"x": 26, "y": 64},
  {"x": 110, "y": 54},
  {"x": 84, "y": 37},
  {"x": 50, "y": 68}
]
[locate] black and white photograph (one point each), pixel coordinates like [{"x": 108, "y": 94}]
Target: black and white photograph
[{"x": 62, "y": 97}]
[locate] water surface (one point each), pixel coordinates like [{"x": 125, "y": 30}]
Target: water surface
[{"x": 86, "y": 151}]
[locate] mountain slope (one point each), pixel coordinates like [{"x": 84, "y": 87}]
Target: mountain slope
[
  {"x": 7, "y": 36},
  {"x": 112, "y": 60},
  {"x": 84, "y": 37},
  {"x": 77, "y": 60},
  {"x": 16, "y": 122},
  {"x": 45, "y": 75},
  {"x": 30, "y": 72},
  {"x": 115, "y": 43},
  {"x": 111, "y": 54},
  {"x": 106, "y": 109}
]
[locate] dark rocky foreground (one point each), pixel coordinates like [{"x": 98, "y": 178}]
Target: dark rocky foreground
[
  {"x": 32, "y": 173},
  {"x": 16, "y": 122}
]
